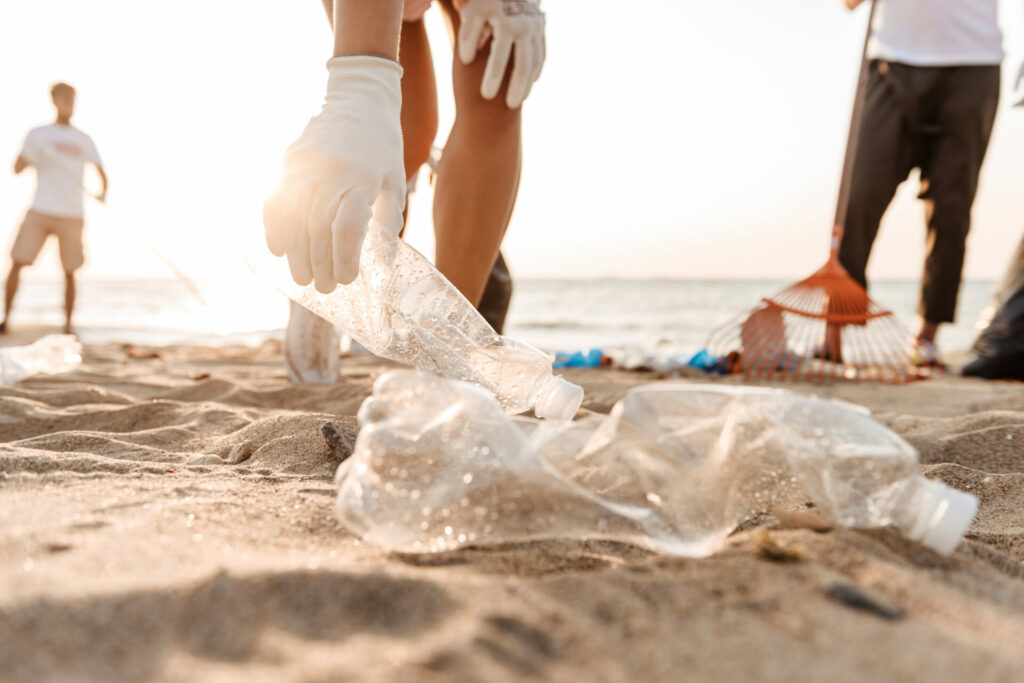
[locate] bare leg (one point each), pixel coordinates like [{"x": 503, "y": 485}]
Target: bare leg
[
  {"x": 477, "y": 179},
  {"x": 10, "y": 291},
  {"x": 419, "y": 129},
  {"x": 928, "y": 331},
  {"x": 419, "y": 96},
  {"x": 69, "y": 299}
]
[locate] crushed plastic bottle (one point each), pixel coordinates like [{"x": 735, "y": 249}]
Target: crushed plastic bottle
[
  {"x": 438, "y": 465},
  {"x": 400, "y": 307},
  {"x": 311, "y": 347},
  {"x": 49, "y": 355},
  {"x": 776, "y": 448},
  {"x": 674, "y": 468}
]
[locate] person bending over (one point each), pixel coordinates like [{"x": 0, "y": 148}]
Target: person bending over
[
  {"x": 499, "y": 51},
  {"x": 59, "y": 153}
]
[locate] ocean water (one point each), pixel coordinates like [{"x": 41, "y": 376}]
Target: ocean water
[
  {"x": 675, "y": 316},
  {"x": 656, "y": 316}
]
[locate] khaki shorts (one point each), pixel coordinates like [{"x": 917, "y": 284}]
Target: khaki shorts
[{"x": 37, "y": 227}]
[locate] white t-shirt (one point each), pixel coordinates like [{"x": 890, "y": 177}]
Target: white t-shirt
[
  {"x": 937, "y": 32},
  {"x": 59, "y": 154}
]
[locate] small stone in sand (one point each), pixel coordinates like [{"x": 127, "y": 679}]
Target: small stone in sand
[
  {"x": 205, "y": 459},
  {"x": 771, "y": 549},
  {"x": 240, "y": 452},
  {"x": 858, "y": 599},
  {"x": 338, "y": 440}
]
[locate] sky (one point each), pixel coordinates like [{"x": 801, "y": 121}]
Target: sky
[{"x": 668, "y": 139}]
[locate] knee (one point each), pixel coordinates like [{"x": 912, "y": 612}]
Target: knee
[
  {"x": 493, "y": 118},
  {"x": 473, "y": 111}
]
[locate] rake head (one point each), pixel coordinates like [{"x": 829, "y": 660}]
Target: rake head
[{"x": 823, "y": 328}]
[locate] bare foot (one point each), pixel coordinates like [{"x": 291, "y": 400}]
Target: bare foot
[
  {"x": 67, "y": 329},
  {"x": 3, "y": 327}
]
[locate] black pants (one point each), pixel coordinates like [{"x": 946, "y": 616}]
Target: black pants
[
  {"x": 937, "y": 119},
  {"x": 497, "y": 295}
]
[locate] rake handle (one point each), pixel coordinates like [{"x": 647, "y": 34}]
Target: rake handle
[{"x": 843, "y": 202}]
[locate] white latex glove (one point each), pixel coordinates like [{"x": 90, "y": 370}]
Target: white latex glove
[
  {"x": 346, "y": 166},
  {"x": 1019, "y": 87},
  {"x": 513, "y": 23}
]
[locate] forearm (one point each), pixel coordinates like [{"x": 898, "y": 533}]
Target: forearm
[
  {"x": 366, "y": 28},
  {"x": 20, "y": 164},
  {"x": 103, "y": 179}
]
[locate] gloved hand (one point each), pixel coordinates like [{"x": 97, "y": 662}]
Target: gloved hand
[
  {"x": 1019, "y": 87},
  {"x": 346, "y": 166},
  {"x": 518, "y": 23}
]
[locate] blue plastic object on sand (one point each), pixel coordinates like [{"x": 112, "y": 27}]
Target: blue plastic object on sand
[
  {"x": 591, "y": 358},
  {"x": 717, "y": 365},
  {"x": 702, "y": 360}
]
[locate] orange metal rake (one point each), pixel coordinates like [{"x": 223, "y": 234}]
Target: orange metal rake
[{"x": 826, "y": 326}]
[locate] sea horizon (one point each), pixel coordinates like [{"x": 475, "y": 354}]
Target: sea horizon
[{"x": 654, "y": 316}]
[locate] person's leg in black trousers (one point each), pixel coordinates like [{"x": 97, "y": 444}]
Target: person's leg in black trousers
[
  {"x": 883, "y": 159},
  {"x": 952, "y": 155}
]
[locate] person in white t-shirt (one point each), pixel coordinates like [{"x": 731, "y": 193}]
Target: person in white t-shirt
[
  {"x": 930, "y": 104},
  {"x": 59, "y": 153}
]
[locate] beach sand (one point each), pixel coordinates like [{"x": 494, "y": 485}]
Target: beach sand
[{"x": 121, "y": 561}]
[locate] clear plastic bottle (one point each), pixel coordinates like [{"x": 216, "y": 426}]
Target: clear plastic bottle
[
  {"x": 674, "y": 468},
  {"x": 400, "y": 307},
  {"x": 773, "y": 448},
  {"x": 51, "y": 354},
  {"x": 439, "y": 465},
  {"x": 310, "y": 347}
]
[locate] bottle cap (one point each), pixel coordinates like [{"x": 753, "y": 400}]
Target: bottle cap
[
  {"x": 558, "y": 399},
  {"x": 944, "y": 514}
]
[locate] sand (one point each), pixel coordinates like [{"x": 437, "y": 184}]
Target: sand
[{"x": 121, "y": 561}]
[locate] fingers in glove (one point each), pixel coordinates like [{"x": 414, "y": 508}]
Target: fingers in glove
[
  {"x": 497, "y": 63},
  {"x": 273, "y": 224},
  {"x": 347, "y": 233},
  {"x": 537, "y": 46},
  {"x": 539, "y": 50},
  {"x": 297, "y": 203},
  {"x": 390, "y": 205},
  {"x": 321, "y": 252},
  {"x": 522, "y": 70},
  {"x": 469, "y": 37}
]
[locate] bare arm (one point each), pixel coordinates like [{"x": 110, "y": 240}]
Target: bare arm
[
  {"x": 103, "y": 180},
  {"x": 852, "y": 4},
  {"x": 365, "y": 28},
  {"x": 20, "y": 164}
]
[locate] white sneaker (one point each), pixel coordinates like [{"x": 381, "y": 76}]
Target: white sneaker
[{"x": 310, "y": 347}]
